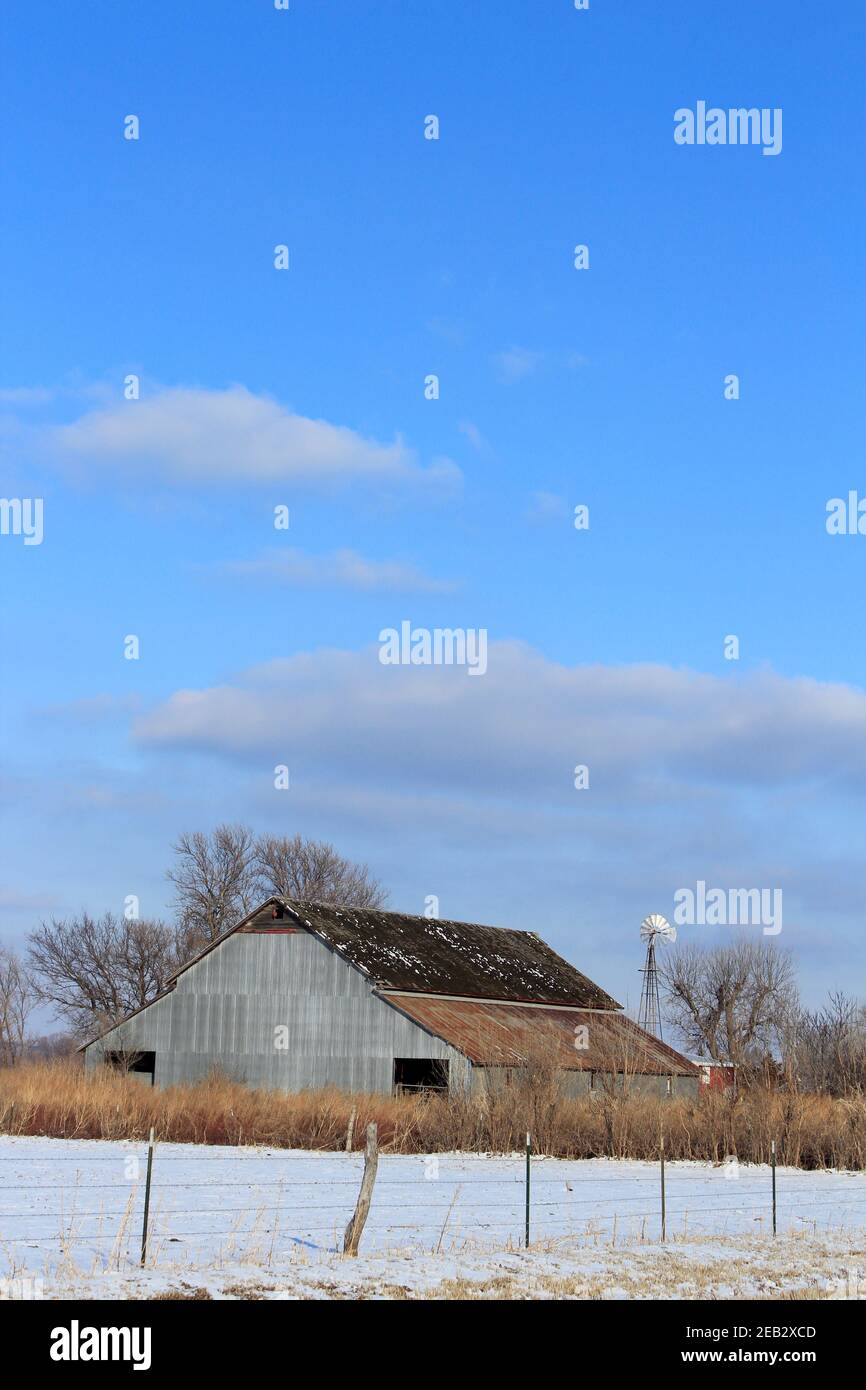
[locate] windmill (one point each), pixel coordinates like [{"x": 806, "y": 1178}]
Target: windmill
[{"x": 652, "y": 929}]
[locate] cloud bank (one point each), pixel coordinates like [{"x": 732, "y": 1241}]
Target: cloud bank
[
  {"x": 192, "y": 435},
  {"x": 528, "y": 722}
]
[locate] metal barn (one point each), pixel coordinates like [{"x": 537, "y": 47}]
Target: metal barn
[{"x": 300, "y": 995}]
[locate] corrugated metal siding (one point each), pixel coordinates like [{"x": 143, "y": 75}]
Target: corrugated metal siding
[
  {"x": 582, "y": 1083},
  {"x": 500, "y": 1034},
  {"x": 224, "y": 1011}
]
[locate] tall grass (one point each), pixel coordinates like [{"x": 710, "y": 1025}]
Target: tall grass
[{"x": 61, "y": 1100}]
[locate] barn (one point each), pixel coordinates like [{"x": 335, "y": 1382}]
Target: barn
[{"x": 303, "y": 995}]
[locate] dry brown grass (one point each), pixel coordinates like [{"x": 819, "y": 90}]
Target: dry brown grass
[
  {"x": 794, "y": 1267},
  {"x": 60, "y": 1100},
  {"x": 186, "y": 1294}
]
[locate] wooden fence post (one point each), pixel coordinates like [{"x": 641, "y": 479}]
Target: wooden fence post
[
  {"x": 365, "y": 1196},
  {"x": 350, "y": 1133}
]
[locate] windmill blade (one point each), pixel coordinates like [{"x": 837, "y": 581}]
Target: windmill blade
[{"x": 657, "y": 926}]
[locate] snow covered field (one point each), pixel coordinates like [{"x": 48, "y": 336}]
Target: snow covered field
[{"x": 268, "y": 1223}]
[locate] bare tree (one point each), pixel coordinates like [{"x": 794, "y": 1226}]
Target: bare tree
[
  {"x": 825, "y": 1049},
  {"x": 17, "y": 1000},
  {"x": 313, "y": 871},
  {"x": 96, "y": 970},
  {"x": 219, "y": 878},
  {"x": 49, "y": 1047},
  {"x": 214, "y": 878},
  {"x": 728, "y": 1002}
]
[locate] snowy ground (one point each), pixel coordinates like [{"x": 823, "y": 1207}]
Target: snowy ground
[{"x": 228, "y": 1222}]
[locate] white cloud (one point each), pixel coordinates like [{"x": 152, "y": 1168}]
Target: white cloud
[
  {"x": 516, "y": 362},
  {"x": 474, "y": 435},
  {"x": 192, "y": 435},
  {"x": 339, "y": 569},
  {"x": 547, "y": 506},
  {"x": 451, "y": 330},
  {"x": 527, "y": 722}
]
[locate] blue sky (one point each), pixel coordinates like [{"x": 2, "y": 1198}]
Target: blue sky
[{"x": 557, "y": 387}]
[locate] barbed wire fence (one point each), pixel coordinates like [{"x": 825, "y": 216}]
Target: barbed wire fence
[{"x": 273, "y": 1209}]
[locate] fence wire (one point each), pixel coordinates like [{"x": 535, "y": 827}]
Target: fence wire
[{"x": 417, "y": 1211}]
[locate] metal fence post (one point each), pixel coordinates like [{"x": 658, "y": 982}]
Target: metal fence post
[
  {"x": 528, "y": 1181},
  {"x": 662, "y": 1158},
  {"x": 147, "y": 1199},
  {"x": 773, "y": 1161}
]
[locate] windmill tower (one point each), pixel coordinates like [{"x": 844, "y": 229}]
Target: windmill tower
[{"x": 652, "y": 929}]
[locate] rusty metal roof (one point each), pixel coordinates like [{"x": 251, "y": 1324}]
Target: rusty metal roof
[{"x": 504, "y": 1034}]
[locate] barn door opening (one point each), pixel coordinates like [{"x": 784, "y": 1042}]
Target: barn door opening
[
  {"x": 419, "y": 1074},
  {"x": 139, "y": 1065}
]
